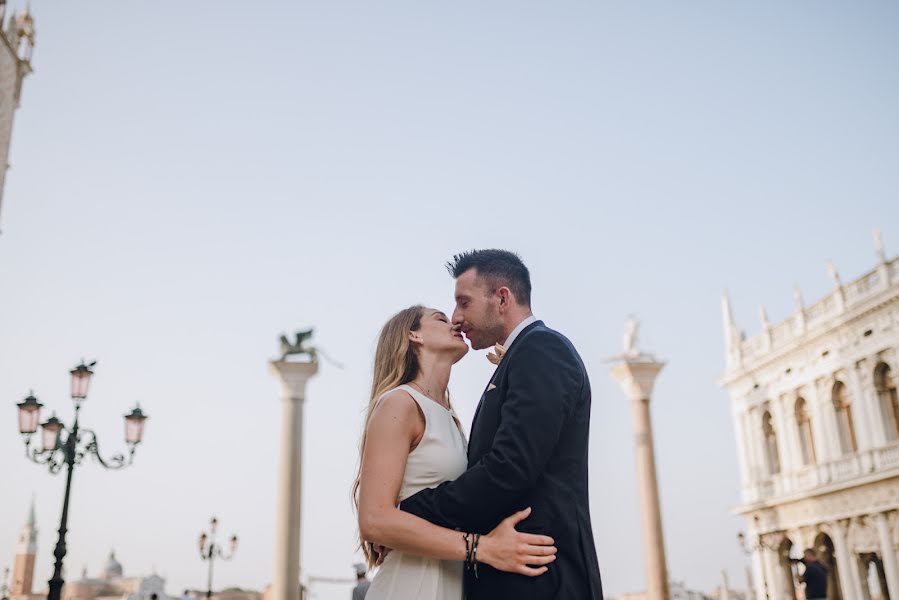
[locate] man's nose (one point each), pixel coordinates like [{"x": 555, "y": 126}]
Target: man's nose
[{"x": 457, "y": 318}]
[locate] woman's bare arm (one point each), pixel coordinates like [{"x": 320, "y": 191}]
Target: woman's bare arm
[{"x": 396, "y": 425}]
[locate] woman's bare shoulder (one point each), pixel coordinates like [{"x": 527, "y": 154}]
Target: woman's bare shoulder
[{"x": 397, "y": 403}]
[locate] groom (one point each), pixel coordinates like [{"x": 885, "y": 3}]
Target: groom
[{"x": 528, "y": 439}]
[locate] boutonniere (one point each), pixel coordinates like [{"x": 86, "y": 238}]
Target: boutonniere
[
  {"x": 497, "y": 355},
  {"x": 490, "y": 386}
]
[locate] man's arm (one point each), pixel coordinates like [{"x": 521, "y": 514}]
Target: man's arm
[{"x": 544, "y": 383}]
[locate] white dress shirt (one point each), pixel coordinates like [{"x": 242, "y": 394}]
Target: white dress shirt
[{"x": 518, "y": 329}]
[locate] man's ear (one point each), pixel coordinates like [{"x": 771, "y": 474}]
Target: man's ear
[{"x": 505, "y": 298}]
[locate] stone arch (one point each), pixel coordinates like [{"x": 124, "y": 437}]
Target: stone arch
[
  {"x": 888, "y": 399},
  {"x": 826, "y": 554},
  {"x": 842, "y": 406},
  {"x": 804, "y": 426},
  {"x": 769, "y": 436},
  {"x": 786, "y": 573}
]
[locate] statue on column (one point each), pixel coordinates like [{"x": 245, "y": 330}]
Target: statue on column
[
  {"x": 630, "y": 338},
  {"x": 300, "y": 347}
]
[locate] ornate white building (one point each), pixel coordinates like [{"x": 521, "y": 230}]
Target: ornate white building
[
  {"x": 816, "y": 417},
  {"x": 16, "y": 46}
]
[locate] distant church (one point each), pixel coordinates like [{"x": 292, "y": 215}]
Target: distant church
[
  {"x": 23, "y": 570},
  {"x": 16, "y": 47},
  {"x": 111, "y": 584}
]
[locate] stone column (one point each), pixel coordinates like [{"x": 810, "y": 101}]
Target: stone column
[
  {"x": 876, "y": 420},
  {"x": 757, "y": 447},
  {"x": 820, "y": 430},
  {"x": 847, "y": 565},
  {"x": 737, "y": 416},
  {"x": 887, "y": 553},
  {"x": 782, "y": 435},
  {"x": 774, "y": 586},
  {"x": 637, "y": 373},
  {"x": 758, "y": 568},
  {"x": 293, "y": 377},
  {"x": 828, "y": 414},
  {"x": 859, "y": 406}
]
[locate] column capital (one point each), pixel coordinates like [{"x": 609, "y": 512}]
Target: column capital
[
  {"x": 293, "y": 377},
  {"x": 840, "y": 527},
  {"x": 637, "y": 375}
]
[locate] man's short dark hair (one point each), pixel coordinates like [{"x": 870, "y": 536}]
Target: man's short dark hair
[{"x": 499, "y": 267}]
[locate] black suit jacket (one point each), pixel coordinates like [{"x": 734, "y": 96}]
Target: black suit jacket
[{"x": 528, "y": 447}]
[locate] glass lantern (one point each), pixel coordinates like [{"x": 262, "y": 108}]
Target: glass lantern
[
  {"x": 134, "y": 426},
  {"x": 50, "y": 433},
  {"x": 81, "y": 379},
  {"x": 29, "y": 414}
]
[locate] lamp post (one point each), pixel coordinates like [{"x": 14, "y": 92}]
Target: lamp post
[
  {"x": 56, "y": 452},
  {"x": 209, "y": 550}
]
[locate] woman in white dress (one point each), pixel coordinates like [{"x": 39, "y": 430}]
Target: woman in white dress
[{"x": 413, "y": 440}]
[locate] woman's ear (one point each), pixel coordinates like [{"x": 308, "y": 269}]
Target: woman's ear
[{"x": 415, "y": 338}]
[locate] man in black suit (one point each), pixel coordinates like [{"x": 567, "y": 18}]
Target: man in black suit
[{"x": 529, "y": 436}]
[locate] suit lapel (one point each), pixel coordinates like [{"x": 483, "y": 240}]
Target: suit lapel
[{"x": 495, "y": 377}]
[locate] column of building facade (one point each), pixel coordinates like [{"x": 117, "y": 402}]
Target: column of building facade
[
  {"x": 847, "y": 562},
  {"x": 737, "y": 413},
  {"x": 865, "y": 375},
  {"x": 888, "y": 425},
  {"x": 859, "y": 406},
  {"x": 792, "y": 432},
  {"x": 781, "y": 435},
  {"x": 758, "y": 568},
  {"x": 771, "y": 564},
  {"x": 887, "y": 553},
  {"x": 762, "y": 470},
  {"x": 824, "y": 388},
  {"x": 821, "y": 425}
]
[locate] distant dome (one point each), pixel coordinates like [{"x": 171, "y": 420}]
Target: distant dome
[{"x": 113, "y": 567}]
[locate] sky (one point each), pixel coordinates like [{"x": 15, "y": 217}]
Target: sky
[{"x": 190, "y": 180}]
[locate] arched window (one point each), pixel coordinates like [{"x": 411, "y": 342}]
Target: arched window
[
  {"x": 845, "y": 426},
  {"x": 770, "y": 444},
  {"x": 806, "y": 441},
  {"x": 885, "y": 384}
]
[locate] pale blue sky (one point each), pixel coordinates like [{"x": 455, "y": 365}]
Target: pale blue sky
[{"x": 191, "y": 179}]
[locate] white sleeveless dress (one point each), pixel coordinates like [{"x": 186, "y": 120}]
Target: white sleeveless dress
[{"x": 440, "y": 456}]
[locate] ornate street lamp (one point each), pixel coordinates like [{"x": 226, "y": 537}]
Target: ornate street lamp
[
  {"x": 210, "y": 550},
  {"x": 57, "y": 451}
]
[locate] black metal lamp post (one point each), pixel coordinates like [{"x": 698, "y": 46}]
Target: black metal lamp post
[
  {"x": 210, "y": 550},
  {"x": 70, "y": 452}
]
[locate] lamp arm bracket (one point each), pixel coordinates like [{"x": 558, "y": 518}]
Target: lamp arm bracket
[{"x": 92, "y": 446}]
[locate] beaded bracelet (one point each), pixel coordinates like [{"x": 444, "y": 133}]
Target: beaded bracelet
[{"x": 474, "y": 554}]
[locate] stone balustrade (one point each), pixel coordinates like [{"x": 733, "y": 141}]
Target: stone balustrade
[
  {"x": 818, "y": 314},
  {"x": 839, "y": 471}
]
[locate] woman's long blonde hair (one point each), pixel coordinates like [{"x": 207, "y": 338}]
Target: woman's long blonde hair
[{"x": 396, "y": 363}]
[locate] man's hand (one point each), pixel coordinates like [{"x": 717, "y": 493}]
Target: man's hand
[{"x": 512, "y": 551}]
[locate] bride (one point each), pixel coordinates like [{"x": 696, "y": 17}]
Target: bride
[{"x": 413, "y": 440}]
